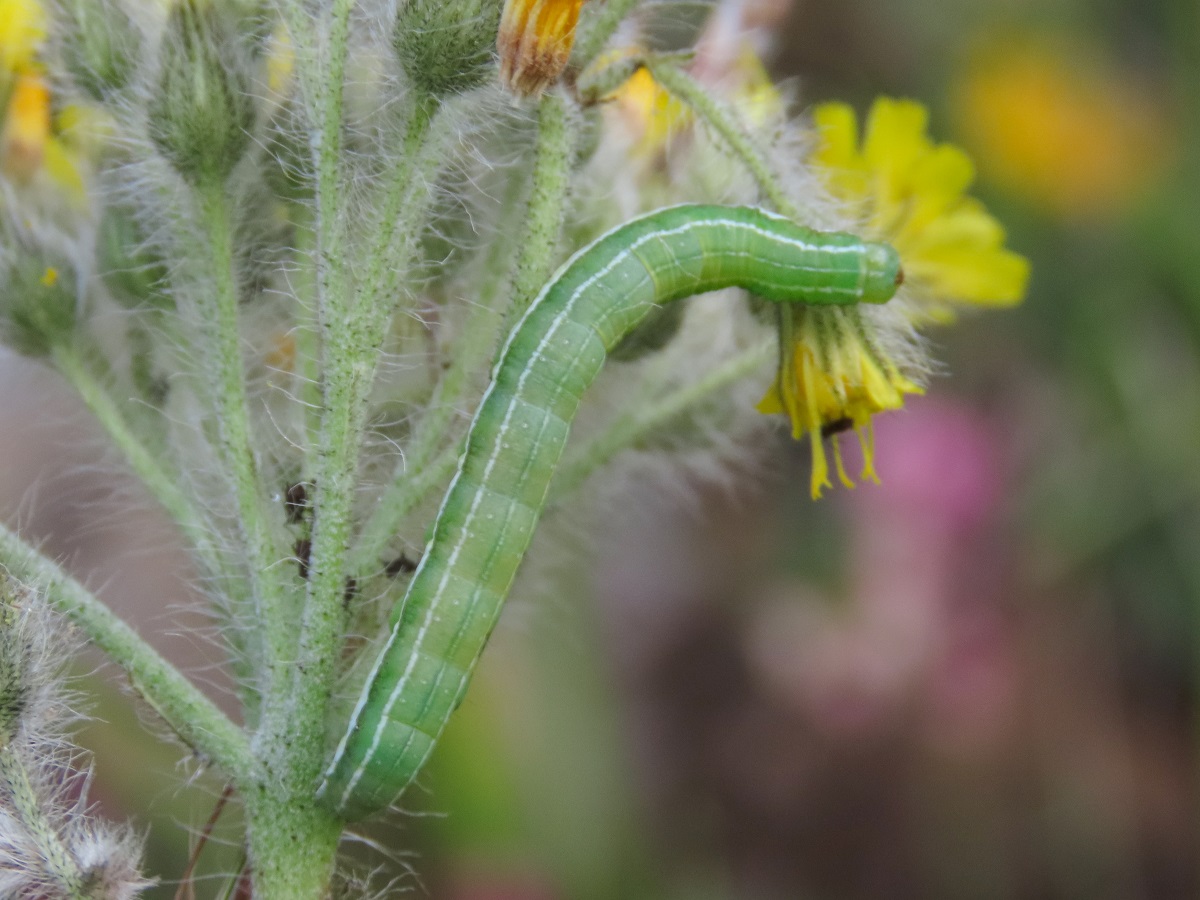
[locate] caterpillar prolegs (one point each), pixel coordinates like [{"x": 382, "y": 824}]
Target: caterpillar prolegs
[{"x": 492, "y": 506}]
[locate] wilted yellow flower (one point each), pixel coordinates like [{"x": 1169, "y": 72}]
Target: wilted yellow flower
[
  {"x": 535, "y": 41},
  {"x": 833, "y": 376},
  {"x": 22, "y": 30},
  {"x": 1071, "y": 137},
  {"x": 839, "y": 367}
]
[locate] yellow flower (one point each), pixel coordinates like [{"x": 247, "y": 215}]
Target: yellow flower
[
  {"x": 910, "y": 192},
  {"x": 22, "y": 30},
  {"x": 833, "y": 377},
  {"x": 535, "y": 41},
  {"x": 651, "y": 113},
  {"x": 839, "y": 367},
  {"x": 1073, "y": 137}
]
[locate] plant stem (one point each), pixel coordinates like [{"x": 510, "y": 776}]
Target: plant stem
[
  {"x": 547, "y": 199},
  {"x": 197, "y": 721},
  {"x": 164, "y": 488},
  {"x": 417, "y": 474},
  {"x": 162, "y": 485},
  {"x": 292, "y": 734},
  {"x": 55, "y": 859},
  {"x": 643, "y": 421},
  {"x": 724, "y": 121},
  {"x": 595, "y": 31},
  {"x": 307, "y": 374},
  {"x": 220, "y": 342},
  {"x": 323, "y": 76},
  {"x": 293, "y": 844},
  {"x": 402, "y": 497}
]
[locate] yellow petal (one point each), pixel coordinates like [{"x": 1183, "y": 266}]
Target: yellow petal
[
  {"x": 962, "y": 255},
  {"x": 771, "y": 404},
  {"x": 22, "y": 30},
  {"x": 838, "y": 129},
  {"x": 938, "y": 180},
  {"x": 895, "y": 140}
]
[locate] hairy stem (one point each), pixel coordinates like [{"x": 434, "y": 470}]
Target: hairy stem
[
  {"x": 220, "y": 340},
  {"x": 197, "y": 721},
  {"x": 595, "y": 30},
  {"x": 322, "y": 72},
  {"x": 292, "y": 733},
  {"x": 535, "y": 260},
  {"x": 724, "y": 122},
  {"x": 645, "y": 420},
  {"x": 293, "y": 844},
  {"x": 163, "y": 486},
  {"x": 54, "y": 857},
  {"x": 547, "y": 199}
]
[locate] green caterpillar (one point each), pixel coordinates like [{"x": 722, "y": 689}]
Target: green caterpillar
[{"x": 490, "y": 511}]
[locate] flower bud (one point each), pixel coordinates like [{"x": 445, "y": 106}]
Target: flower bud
[
  {"x": 445, "y": 46},
  {"x": 40, "y": 309},
  {"x": 99, "y": 45},
  {"x": 203, "y": 112},
  {"x": 535, "y": 42},
  {"x": 26, "y": 129}
]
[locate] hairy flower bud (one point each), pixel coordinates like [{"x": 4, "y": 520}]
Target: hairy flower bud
[
  {"x": 535, "y": 42},
  {"x": 39, "y": 309},
  {"x": 202, "y": 114},
  {"x": 99, "y": 45},
  {"x": 446, "y": 46}
]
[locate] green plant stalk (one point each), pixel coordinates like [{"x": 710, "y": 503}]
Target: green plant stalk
[
  {"x": 595, "y": 30},
  {"x": 56, "y": 860},
  {"x": 71, "y": 363},
  {"x": 219, "y": 336},
  {"x": 535, "y": 262},
  {"x": 410, "y": 482},
  {"x": 547, "y": 200},
  {"x": 323, "y": 76},
  {"x": 195, "y": 718},
  {"x": 162, "y": 486},
  {"x": 293, "y": 844},
  {"x": 308, "y": 345},
  {"x": 724, "y": 122},
  {"x": 644, "y": 421},
  {"x": 293, "y": 725}
]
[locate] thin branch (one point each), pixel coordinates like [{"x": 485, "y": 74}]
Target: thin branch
[{"x": 195, "y": 718}]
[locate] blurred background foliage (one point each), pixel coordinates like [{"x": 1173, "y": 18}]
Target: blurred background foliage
[{"x": 976, "y": 680}]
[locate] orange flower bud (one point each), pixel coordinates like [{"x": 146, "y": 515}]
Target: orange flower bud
[
  {"x": 535, "y": 42},
  {"x": 26, "y": 127}
]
